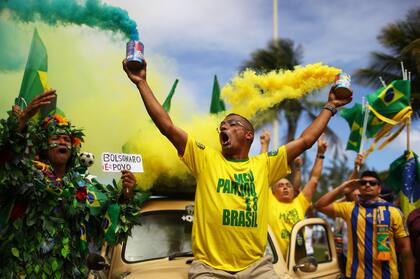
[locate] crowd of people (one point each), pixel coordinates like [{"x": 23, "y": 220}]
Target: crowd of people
[
  {"x": 52, "y": 211},
  {"x": 233, "y": 186}
]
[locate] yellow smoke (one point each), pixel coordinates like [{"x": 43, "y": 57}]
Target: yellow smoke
[
  {"x": 84, "y": 65},
  {"x": 250, "y": 93}
]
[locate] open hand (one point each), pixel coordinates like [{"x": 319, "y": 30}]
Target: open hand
[
  {"x": 350, "y": 185},
  {"x": 34, "y": 106}
]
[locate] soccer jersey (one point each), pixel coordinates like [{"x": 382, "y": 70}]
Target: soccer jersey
[
  {"x": 283, "y": 216},
  {"x": 362, "y": 248},
  {"x": 231, "y": 203}
]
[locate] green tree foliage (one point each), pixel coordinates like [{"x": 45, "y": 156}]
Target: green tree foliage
[
  {"x": 283, "y": 54},
  {"x": 401, "y": 40}
]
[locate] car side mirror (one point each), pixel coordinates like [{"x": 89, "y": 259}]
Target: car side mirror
[
  {"x": 306, "y": 264},
  {"x": 96, "y": 262}
]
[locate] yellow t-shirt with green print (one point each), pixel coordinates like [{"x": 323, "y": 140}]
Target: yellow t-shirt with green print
[
  {"x": 283, "y": 216},
  {"x": 231, "y": 204}
]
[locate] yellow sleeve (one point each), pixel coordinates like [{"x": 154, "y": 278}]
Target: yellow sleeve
[
  {"x": 398, "y": 223},
  {"x": 194, "y": 155},
  {"x": 343, "y": 209},
  {"x": 303, "y": 202},
  {"x": 277, "y": 165}
]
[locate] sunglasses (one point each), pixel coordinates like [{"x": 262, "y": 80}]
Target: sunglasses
[{"x": 370, "y": 182}]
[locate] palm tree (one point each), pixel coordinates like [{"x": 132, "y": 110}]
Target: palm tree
[
  {"x": 282, "y": 54},
  {"x": 402, "y": 40}
]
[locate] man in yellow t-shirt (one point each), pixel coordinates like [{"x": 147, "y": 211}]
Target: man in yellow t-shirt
[
  {"x": 286, "y": 209},
  {"x": 231, "y": 214}
]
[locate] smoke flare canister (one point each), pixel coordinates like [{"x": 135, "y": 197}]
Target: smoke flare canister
[
  {"x": 135, "y": 55},
  {"x": 342, "y": 86}
]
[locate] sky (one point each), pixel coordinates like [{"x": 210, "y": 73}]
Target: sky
[{"x": 193, "y": 41}]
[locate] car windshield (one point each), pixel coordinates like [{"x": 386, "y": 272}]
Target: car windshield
[{"x": 159, "y": 235}]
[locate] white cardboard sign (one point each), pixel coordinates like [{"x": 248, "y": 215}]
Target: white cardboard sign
[{"x": 116, "y": 162}]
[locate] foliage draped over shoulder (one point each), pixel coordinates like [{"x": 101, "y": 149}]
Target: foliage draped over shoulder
[{"x": 45, "y": 230}]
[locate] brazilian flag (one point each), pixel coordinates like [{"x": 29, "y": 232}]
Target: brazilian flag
[
  {"x": 34, "y": 80},
  {"x": 111, "y": 221},
  {"x": 404, "y": 177},
  {"x": 83, "y": 238},
  {"x": 387, "y": 101},
  {"x": 354, "y": 117},
  {"x": 95, "y": 199}
]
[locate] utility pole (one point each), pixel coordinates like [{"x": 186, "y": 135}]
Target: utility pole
[{"x": 276, "y": 124}]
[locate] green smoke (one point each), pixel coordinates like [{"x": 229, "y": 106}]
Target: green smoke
[
  {"x": 92, "y": 13},
  {"x": 13, "y": 52}
]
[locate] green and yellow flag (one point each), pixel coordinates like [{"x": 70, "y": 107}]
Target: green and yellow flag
[
  {"x": 111, "y": 221},
  {"x": 167, "y": 103},
  {"x": 217, "y": 105},
  {"x": 387, "y": 103},
  {"x": 404, "y": 177},
  {"x": 390, "y": 107},
  {"x": 354, "y": 117},
  {"x": 34, "y": 80},
  {"x": 83, "y": 238},
  {"x": 95, "y": 199}
]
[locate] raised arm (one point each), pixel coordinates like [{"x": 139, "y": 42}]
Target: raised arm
[
  {"x": 297, "y": 174},
  {"x": 160, "y": 117},
  {"x": 324, "y": 204},
  {"x": 264, "y": 141},
  {"x": 311, "y": 134},
  {"x": 310, "y": 187},
  {"x": 358, "y": 163},
  {"x": 33, "y": 107}
]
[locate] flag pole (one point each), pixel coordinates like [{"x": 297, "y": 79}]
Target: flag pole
[
  {"x": 382, "y": 81},
  {"x": 408, "y": 133},
  {"x": 365, "y": 120},
  {"x": 275, "y": 123}
]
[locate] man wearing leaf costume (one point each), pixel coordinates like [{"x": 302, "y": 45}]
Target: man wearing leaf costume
[{"x": 49, "y": 209}]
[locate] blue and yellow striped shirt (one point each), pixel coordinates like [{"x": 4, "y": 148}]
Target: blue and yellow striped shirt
[{"x": 362, "y": 247}]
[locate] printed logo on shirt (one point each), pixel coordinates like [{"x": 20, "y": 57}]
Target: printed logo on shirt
[
  {"x": 243, "y": 186},
  {"x": 290, "y": 217},
  {"x": 200, "y": 145},
  {"x": 273, "y": 152}
]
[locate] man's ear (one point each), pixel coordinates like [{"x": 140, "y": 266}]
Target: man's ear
[{"x": 249, "y": 136}]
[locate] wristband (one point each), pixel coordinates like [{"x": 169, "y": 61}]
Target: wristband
[
  {"x": 321, "y": 156},
  {"x": 330, "y": 108}
]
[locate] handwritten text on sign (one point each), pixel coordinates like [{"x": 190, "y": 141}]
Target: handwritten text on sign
[{"x": 116, "y": 162}]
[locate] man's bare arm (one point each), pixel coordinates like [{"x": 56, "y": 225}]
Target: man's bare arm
[
  {"x": 310, "y": 187},
  {"x": 160, "y": 117},
  {"x": 406, "y": 256},
  {"x": 264, "y": 141},
  {"x": 311, "y": 134},
  {"x": 297, "y": 174},
  {"x": 324, "y": 204}
]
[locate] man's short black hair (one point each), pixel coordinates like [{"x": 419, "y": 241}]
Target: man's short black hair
[
  {"x": 372, "y": 174},
  {"x": 245, "y": 119}
]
